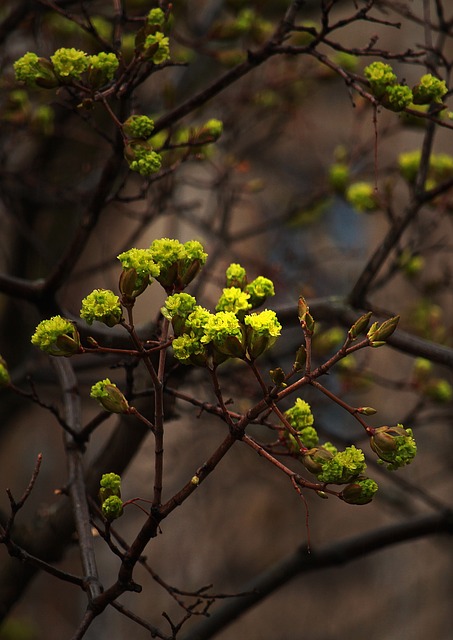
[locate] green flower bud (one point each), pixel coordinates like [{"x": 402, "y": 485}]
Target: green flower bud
[
  {"x": 362, "y": 196},
  {"x": 343, "y": 467},
  {"x": 394, "y": 445},
  {"x": 141, "y": 158},
  {"x": 361, "y": 491},
  {"x": 262, "y": 331},
  {"x": 429, "y": 89},
  {"x": 5, "y": 379},
  {"x": 380, "y": 76},
  {"x": 236, "y": 276},
  {"x": 69, "y": 64},
  {"x": 156, "y": 17},
  {"x": 235, "y": 300},
  {"x": 156, "y": 47},
  {"x": 138, "y": 127},
  {"x": 35, "y": 71},
  {"x": 109, "y": 396},
  {"x": 188, "y": 349},
  {"x": 110, "y": 485},
  {"x": 179, "y": 263},
  {"x": 102, "y": 305},
  {"x": 57, "y": 337},
  {"x": 112, "y": 508},
  {"x": 397, "y": 97},
  {"x": 301, "y": 419},
  {"x": 259, "y": 290},
  {"x": 177, "y": 309},
  {"x": 138, "y": 269},
  {"x": 102, "y": 68},
  {"x": 226, "y": 333}
]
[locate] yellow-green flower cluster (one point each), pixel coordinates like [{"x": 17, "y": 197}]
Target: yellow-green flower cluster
[
  {"x": 259, "y": 290},
  {"x": 5, "y": 379},
  {"x": 187, "y": 346},
  {"x": 236, "y": 276},
  {"x": 102, "y": 68},
  {"x": 57, "y": 337},
  {"x": 109, "y": 396},
  {"x": 262, "y": 330},
  {"x": 333, "y": 466},
  {"x": 70, "y": 63},
  {"x": 203, "y": 337},
  {"x": 429, "y": 89},
  {"x": 301, "y": 419},
  {"x": 362, "y": 197},
  {"x": 179, "y": 263},
  {"x": 177, "y": 309},
  {"x": 142, "y": 158},
  {"x": 101, "y": 305},
  {"x": 394, "y": 96},
  {"x": 137, "y": 126},
  {"x": 138, "y": 269},
  {"x": 383, "y": 83},
  {"x": 156, "y": 17},
  {"x": 156, "y": 47},
  {"x": 394, "y": 445},
  {"x": 398, "y": 97},
  {"x": 35, "y": 71},
  {"x": 226, "y": 333},
  {"x": 380, "y": 76},
  {"x": 112, "y": 508},
  {"x": 235, "y": 300}
]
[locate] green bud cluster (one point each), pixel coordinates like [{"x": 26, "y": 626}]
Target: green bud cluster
[
  {"x": 395, "y": 446},
  {"x": 142, "y": 158},
  {"x": 202, "y": 337},
  {"x": 101, "y": 305},
  {"x": 65, "y": 66},
  {"x": 301, "y": 419},
  {"x": 429, "y": 89},
  {"x": 110, "y": 496},
  {"x": 57, "y": 337},
  {"x": 137, "y": 126},
  {"x": 397, "y": 97},
  {"x": 344, "y": 466},
  {"x": 178, "y": 263},
  {"x": 138, "y": 270}
]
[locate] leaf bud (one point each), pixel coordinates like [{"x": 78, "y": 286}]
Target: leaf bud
[
  {"x": 367, "y": 411},
  {"x": 359, "y": 326}
]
